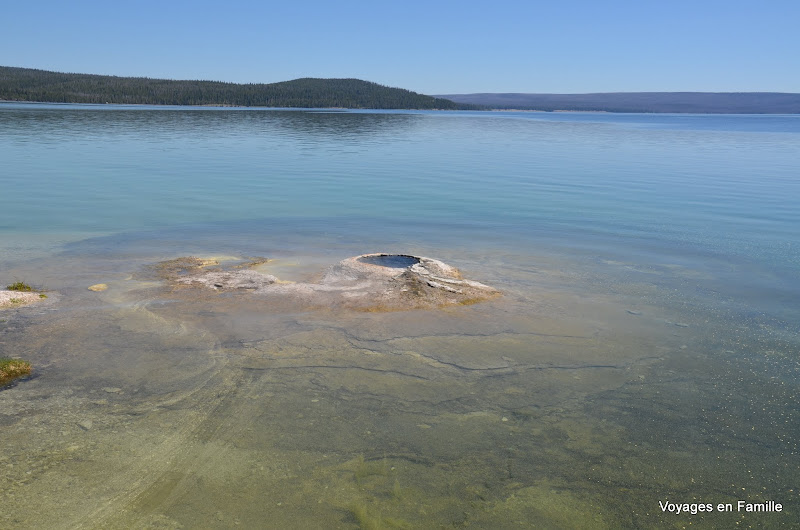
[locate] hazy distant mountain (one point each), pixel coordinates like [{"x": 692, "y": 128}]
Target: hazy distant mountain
[
  {"x": 24, "y": 84},
  {"x": 691, "y": 102}
]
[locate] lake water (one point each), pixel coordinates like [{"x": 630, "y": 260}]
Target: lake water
[{"x": 645, "y": 350}]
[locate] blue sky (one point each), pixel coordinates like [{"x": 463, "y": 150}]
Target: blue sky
[{"x": 430, "y": 47}]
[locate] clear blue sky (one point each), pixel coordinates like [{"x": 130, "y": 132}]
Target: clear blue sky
[{"x": 566, "y": 46}]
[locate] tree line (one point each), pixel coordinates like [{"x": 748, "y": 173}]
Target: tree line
[{"x": 24, "y": 84}]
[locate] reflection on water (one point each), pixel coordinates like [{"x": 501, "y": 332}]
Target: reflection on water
[
  {"x": 627, "y": 363},
  {"x": 53, "y": 124}
]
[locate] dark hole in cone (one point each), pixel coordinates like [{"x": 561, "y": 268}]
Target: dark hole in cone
[{"x": 394, "y": 261}]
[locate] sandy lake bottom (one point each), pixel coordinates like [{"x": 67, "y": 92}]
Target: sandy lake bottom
[{"x": 576, "y": 400}]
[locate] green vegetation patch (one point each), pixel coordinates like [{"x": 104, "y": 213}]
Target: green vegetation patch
[
  {"x": 19, "y": 286},
  {"x": 11, "y": 369}
]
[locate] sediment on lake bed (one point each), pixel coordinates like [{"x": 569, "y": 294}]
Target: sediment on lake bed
[
  {"x": 369, "y": 282},
  {"x": 18, "y": 298}
]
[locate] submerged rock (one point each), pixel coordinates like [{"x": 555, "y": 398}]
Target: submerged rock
[
  {"x": 370, "y": 282},
  {"x": 230, "y": 280},
  {"x": 184, "y": 266}
]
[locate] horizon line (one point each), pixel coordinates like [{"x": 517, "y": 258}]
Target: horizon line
[{"x": 436, "y": 94}]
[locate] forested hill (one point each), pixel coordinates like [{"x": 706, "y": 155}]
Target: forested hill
[
  {"x": 685, "y": 102},
  {"x": 23, "y": 84}
]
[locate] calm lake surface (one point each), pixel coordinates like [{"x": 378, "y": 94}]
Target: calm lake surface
[{"x": 646, "y": 348}]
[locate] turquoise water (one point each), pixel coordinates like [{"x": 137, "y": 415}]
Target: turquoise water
[
  {"x": 719, "y": 183},
  {"x": 646, "y": 346},
  {"x": 713, "y": 192}
]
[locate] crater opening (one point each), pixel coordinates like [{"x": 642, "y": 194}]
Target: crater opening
[{"x": 393, "y": 261}]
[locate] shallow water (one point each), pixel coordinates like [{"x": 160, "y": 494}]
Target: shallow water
[{"x": 645, "y": 348}]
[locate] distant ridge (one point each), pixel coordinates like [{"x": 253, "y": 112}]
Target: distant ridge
[
  {"x": 25, "y": 84},
  {"x": 684, "y": 102}
]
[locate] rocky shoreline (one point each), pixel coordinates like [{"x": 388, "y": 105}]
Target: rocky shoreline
[{"x": 18, "y": 298}]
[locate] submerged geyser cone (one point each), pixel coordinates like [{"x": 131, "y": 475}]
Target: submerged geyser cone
[{"x": 371, "y": 282}]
